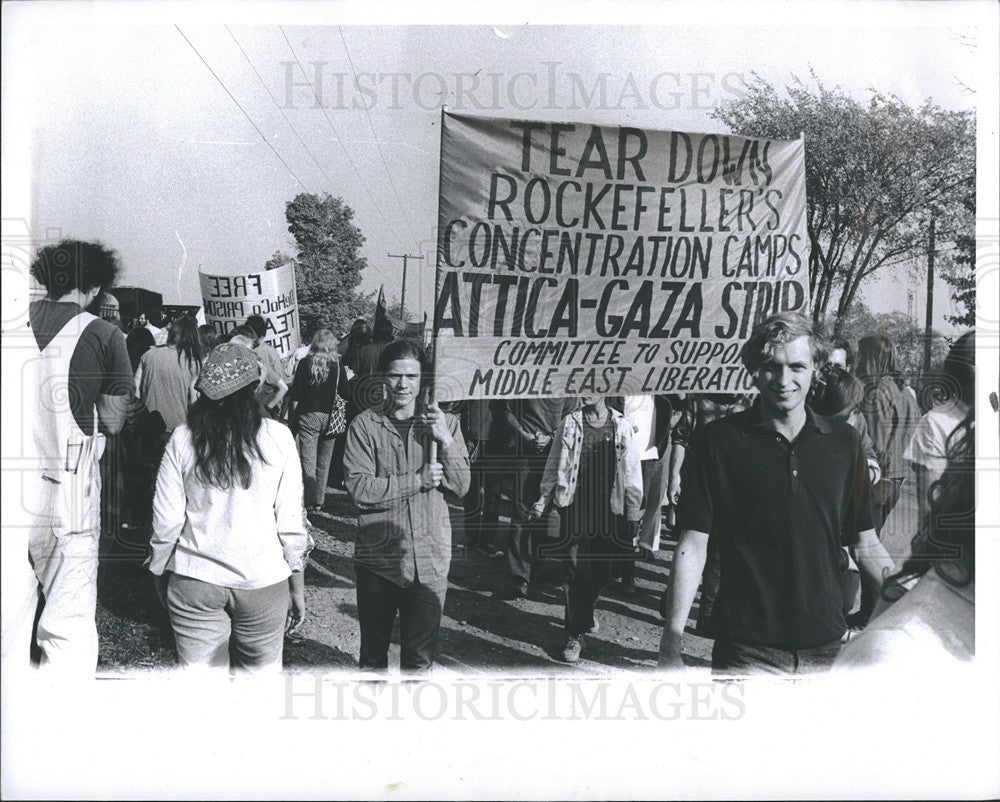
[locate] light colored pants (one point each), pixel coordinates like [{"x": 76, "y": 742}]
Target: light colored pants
[
  {"x": 655, "y": 475},
  {"x": 66, "y": 570},
  {"x": 210, "y": 622}
]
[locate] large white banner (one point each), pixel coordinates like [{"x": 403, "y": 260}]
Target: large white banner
[
  {"x": 577, "y": 259},
  {"x": 229, "y": 300}
]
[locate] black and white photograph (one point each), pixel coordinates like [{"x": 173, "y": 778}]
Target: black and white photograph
[{"x": 548, "y": 401}]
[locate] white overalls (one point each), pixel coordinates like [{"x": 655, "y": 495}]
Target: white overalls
[{"x": 63, "y": 541}]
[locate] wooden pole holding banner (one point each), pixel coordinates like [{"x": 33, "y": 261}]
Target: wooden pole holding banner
[{"x": 437, "y": 270}]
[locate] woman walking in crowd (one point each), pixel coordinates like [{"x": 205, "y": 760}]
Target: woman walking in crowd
[
  {"x": 926, "y": 452},
  {"x": 884, "y": 410},
  {"x": 319, "y": 380},
  {"x": 403, "y": 549},
  {"x": 273, "y": 387},
  {"x": 166, "y": 374},
  {"x": 594, "y": 477},
  {"x": 165, "y": 385},
  {"x": 886, "y": 415},
  {"x": 229, "y": 543},
  {"x": 931, "y": 621}
]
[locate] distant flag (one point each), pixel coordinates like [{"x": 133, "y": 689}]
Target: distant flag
[{"x": 400, "y": 328}]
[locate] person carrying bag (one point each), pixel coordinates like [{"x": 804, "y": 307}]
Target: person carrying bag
[{"x": 318, "y": 414}]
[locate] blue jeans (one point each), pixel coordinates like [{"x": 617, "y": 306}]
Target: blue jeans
[
  {"x": 735, "y": 658},
  {"x": 420, "y": 607}
]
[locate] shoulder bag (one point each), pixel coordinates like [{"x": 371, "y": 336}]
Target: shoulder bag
[{"x": 337, "y": 422}]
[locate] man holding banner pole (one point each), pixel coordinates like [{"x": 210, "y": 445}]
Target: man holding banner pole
[{"x": 781, "y": 490}]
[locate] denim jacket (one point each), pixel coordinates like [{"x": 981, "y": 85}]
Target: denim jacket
[
  {"x": 563, "y": 466},
  {"x": 404, "y": 533}
]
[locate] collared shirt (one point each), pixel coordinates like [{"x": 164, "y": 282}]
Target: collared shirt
[
  {"x": 780, "y": 512},
  {"x": 237, "y": 538},
  {"x": 559, "y": 481},
  {"x": 404, "y": 532}
]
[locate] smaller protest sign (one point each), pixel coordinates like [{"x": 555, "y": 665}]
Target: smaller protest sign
[{"x": 230, "y": 299}]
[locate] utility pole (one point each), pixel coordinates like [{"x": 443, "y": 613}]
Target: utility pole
[
  {"x": 402, "y": 299},
  {"x": 930, "y": 301}
]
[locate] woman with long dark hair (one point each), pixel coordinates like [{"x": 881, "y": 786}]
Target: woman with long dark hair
[
  {"x": 229, "y": 542},
  {"x": 884, "y": 411},
  {"x": 319, "y": 378},
  {"x": 886, "y": 415},
  {"x": 167, "y": 373}
]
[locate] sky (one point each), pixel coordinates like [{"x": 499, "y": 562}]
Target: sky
[{"x": 179, "y": 141}]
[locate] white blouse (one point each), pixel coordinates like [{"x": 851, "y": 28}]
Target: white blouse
[{"x": 237, "y": 538}]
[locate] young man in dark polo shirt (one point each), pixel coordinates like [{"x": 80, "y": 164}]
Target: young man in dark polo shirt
[{"x": 782, "y": 490}]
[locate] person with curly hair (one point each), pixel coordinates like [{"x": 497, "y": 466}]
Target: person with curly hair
[{"x": 81, "y": 380}]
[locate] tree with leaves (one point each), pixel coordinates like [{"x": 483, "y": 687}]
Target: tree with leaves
[
  {"x": 906, "y": 334},
  {"x": 876, "y": 174},
  {"x": 328, "y": 263},
  {"x": 278, "y": 259},
  {"x": 958, "y": 263}
]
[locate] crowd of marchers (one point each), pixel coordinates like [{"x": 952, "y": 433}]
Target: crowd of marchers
[{"x": 223, "y": 450}]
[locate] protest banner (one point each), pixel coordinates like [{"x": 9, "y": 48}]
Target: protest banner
[
  {"x": 577, "y": 259},
  {"x": 229, "y": 300}
]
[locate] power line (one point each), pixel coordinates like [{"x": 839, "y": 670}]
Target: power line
[
  {"x": 233, "y": 98},
  {"x": 278, "y": 107},
  {"x": 399, "y": 200},
  {"x": 333, "y": 128}
]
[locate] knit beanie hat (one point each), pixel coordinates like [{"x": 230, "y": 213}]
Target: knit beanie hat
[{"x": 228, "y": 368}]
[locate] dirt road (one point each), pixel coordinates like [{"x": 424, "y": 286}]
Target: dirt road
[{"x": 479, "y": 633}]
